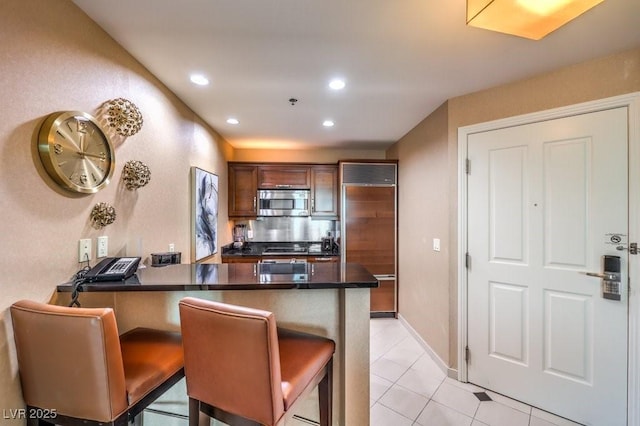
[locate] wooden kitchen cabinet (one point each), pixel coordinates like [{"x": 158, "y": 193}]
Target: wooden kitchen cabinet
[
  {"x": 243, "y": 190},
  {"x": 284, "y": 176},
  {"x": 324, "y": 190},
  {"x": 245, "y": 179}
]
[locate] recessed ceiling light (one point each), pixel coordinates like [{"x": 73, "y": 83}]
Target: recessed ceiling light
[
  {"x": 337, "y": 84},
  {"x": 328, "y": 123},
  {"x": 232, "y": 120},
  {"x": 199, "y": 79}
]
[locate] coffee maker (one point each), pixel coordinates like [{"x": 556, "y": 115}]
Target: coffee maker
[
  {"x": 239, "y": 235},
  {"x": 327, "y": 243}
]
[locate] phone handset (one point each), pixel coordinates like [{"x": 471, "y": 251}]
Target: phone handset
[{"x": 113, "y": 269}]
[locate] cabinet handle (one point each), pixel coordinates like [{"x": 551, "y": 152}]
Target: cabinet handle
[
  {"x": 313, "y": 205},
  {"x": 384, "y": 277},
  {"x": 283, "y": 186},
  {"x": 255, "y": 202}
]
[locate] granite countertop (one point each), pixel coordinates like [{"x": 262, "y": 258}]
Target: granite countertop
[
  {"x": 238, "y": 276},
  {"x": 306, "y": 248}
]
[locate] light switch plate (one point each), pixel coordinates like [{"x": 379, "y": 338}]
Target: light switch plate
[
  {"x": 103, "y": 246},
  {"x": 436, "y": 244}
]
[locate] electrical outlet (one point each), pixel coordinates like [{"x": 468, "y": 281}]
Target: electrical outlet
[
  {"x": 84, "y": 250},
  {"x": 102, "y": 247},
  {"x": 172, "y": 248}
]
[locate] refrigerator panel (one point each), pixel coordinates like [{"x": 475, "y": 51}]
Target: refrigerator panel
[{"x": 369, "y": 237}]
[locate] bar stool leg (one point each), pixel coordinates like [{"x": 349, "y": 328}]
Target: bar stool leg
[
  {"x": 194, "y": 412},
  {"x": 138, "y": 420},
  {"x": 325, "y": 396}
]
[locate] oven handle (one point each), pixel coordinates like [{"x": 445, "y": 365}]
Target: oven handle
[{"x": 284, "y": 260}]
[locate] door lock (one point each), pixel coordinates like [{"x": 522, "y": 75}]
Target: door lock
[{"x": 610, "y": 277}]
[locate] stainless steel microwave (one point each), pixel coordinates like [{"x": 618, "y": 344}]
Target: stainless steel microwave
[{"x": 283, "y": 202}]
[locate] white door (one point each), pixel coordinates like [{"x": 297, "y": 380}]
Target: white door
[{"x": 545, "y": 202}]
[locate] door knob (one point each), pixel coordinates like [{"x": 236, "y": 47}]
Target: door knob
[{"x": 604, "y": 276}]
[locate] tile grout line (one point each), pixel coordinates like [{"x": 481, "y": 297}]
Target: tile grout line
[{"x": 429, "y": 399}]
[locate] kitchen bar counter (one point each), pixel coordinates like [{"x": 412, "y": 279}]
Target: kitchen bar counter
[
  {"x": 327, "y": 299},
  {"x": 238, "y": 276}
]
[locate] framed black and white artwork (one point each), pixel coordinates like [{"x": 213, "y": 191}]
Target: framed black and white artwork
[{"x": 204, "y": 214}]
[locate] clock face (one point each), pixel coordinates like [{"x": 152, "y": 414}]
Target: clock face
[{"x": 75, "y": 151}]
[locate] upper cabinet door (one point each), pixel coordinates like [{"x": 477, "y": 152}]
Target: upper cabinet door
[
  {"x": 283, "y": 176},
  {"x": 324, "y": 191},
  {"x": 243, "y": 190}
]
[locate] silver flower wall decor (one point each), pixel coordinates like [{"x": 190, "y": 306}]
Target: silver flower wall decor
[
  {"x": 102, "y": 215},
  {"x": 135, "y": 174},
  {"x": 124, "y": 116}
]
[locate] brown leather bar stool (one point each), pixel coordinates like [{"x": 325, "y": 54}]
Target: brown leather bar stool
[
  {"x": 242, "y": 370},
  {"x": 76, "y": 369}
]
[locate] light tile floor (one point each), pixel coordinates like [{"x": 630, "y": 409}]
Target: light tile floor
[{"x": 408, "y": 388}]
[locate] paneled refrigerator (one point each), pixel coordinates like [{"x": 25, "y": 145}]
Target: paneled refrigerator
[{"x": 368, "y": 227}]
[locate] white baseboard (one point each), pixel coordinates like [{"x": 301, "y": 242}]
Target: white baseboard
[{"x": 450, "y": 372}]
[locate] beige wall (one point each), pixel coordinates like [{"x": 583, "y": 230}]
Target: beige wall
[
  {"x": 423, "y": 148},
  {"x": 424, "y": 215}
]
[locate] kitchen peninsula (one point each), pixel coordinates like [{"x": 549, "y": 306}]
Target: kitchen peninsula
[{"x": 328, "y": 299}]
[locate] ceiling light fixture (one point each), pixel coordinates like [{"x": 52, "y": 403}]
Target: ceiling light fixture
[
  {"x": 232, "y": 120},
  {"x": 532, "y": 19},
  {"x": 337, "y": 84},
  {"x": 328, "y": 123},
  {"x": 199, "y": 79}
]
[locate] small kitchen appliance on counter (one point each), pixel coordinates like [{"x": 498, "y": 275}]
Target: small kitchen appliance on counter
[
  {"x": 239, "y": 235},
  {"x": 164, "y": 259},
  {"x": 327, "y": 244}
]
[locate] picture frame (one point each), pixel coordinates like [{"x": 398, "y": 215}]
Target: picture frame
[{"x": 204, "y": 214}]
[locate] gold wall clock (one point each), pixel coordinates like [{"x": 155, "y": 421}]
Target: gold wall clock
[{"x": 75, "y": 152}]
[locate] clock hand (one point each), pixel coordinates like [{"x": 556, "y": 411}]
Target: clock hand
[{"x": 86, "y": 154}]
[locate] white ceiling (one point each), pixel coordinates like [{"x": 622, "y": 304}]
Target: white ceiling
[{"x": 400, "y": 59}]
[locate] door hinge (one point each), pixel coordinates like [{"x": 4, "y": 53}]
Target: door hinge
[
  {"x": 633, "y": 248},
  {"x": 467, "y": 260},
  {"x": 467, "y": 166},
  {"x": 467, "y": 354}
]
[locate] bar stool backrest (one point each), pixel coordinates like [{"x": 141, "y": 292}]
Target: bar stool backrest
[
  {"x": 70, "y": 359},
  {"x": 232, "y": 359}
]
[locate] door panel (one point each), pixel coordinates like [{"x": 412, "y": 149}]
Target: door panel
[
  {"x": 543, "y": 201},
  {"x": 507, "y": 204},
  {"x": 508, "y": 322},
  {"x": 567, "y": 188},
  {"x": 569, "y": 336}
]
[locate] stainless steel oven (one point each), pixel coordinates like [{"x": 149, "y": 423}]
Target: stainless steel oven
[
  {"x": 283, "y": 202},
  {"x": 277, "y": 271}
]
